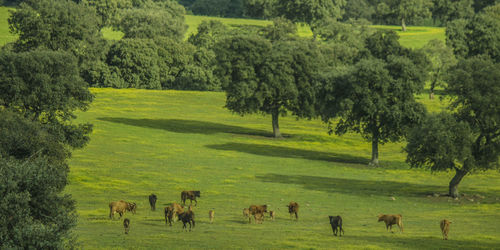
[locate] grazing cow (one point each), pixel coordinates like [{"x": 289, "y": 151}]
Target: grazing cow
[
  {"x": 187, "y": 217},
  {"x": 336, "y": 222},
  {"x": 246, "y": 212},
  {"x": 152, "y": 201},
  {"x": 272, "y": 214},
  {"x": 293, "y": 208},
  {"x": 391, "y": 219},
  {"x": 126, "y": 225},
  {"x": 121, "y": 207},
  {"x": 445, "y": 228},
  {"x": 191, "y": 195},
  {"x": 258, "y": 218},
  {"x": 171, "y": 211},
  {"x": 211, "y": 215},
  {"x": 257, "y": 211}
]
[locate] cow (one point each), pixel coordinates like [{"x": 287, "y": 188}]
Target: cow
[
  {"x": 246, "y": 212},
  {"x": 191, "y": 195},
  {"x": 256, "y": 211},
  {"x": 293, "y": 208},
  {"x": 121, "y": 207},
  {"x": 211, "y": 215},
  {"x": 336, "y": 223},
  {"x": 272, "y": 214},
  {"x": 152, "y": 201},
  {"x": 391, "y": 219},
  {"x": 445, "y": 228},
  {"x": 187, "y": 217},
  {"x": 126, "y": 225},
  {"x": 171, "y": 211}
]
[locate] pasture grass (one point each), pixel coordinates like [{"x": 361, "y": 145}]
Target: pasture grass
[
  {"x": 5, "y": 35},
  {"x": 164, "y": 142}
]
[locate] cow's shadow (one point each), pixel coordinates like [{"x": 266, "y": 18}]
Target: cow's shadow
[
  {"x": 187, "y": 126},
  {"x": 279, "y": 151}
]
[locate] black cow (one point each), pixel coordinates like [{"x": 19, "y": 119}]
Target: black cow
[
  {"x": 336, "y": 222},
  {"x": 152, "y": 201}
]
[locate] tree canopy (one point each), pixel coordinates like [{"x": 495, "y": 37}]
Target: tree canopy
[
  {"x": 310, "y": 12},
  {"x": 375, "y": 96},
  {"x": 468, "y": 140},
  {"x": 271, "y": 77}
]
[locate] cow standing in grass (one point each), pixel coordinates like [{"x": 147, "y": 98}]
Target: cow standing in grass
[
  {"x": 293, "y": 208},
  {"x": 152, "y": 201},
  {"x": 191, "y": 195}
]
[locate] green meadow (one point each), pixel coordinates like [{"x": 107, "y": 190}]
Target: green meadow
[{"x": 164, "y": 142}]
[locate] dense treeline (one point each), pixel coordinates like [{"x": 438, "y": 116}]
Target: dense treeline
[{"x": 421, "y": 12}]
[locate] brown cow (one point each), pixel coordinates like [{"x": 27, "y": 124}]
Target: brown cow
[
  {"x": 391, "y": 219},
  {"x": 257, "y": 211},
  {"x": 121, "y": 207},
  {"x": 191, "y": 195},
  {"x": 445, "y": 228},
  {"x": 126, "y": 225},
  {"x": 246, "y": 212},
  {"x": 293, "y": 208},
  {"x": 171, "y": 211}
]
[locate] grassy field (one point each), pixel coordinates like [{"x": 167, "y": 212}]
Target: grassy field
[
  {"x": 5, "y": 35},
  {"x": 415, "y": 37},
  {"x": 164, "y": 142}
]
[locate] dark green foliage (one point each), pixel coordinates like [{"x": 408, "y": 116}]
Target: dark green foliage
[
  {"x": 22, "y": 139},
  {"x": 33, "y": 214},
  {"x": 222, "y": 8},
  {"x": 108, "y": 10},
  {"x": 208, "y": 34},
  {"x": 271, "y": 78},
  {"x": 310, "y": 11},
  {"x": 259, "y": 8},
  {"x": 55, "y": 25},
  {"x": 45, "y": 86},
  {"x": 358, "y": 9},
  {"x": 440, "y": 143},
  {"x": 281, "y": 29},
  {"x": 444, "y": 11},
  {"x": 375, "y": 96},
  {"x": 469, "y": 139},
  {"x": 135, "y": 61},
  {"x": 480, "y": 35},
  {"x": 154, "y": 19}
]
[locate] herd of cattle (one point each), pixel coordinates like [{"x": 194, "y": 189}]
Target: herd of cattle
[{"x": 257, "y": 211}]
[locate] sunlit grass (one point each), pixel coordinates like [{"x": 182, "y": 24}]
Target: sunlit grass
[{"x": 164, "y": 142}]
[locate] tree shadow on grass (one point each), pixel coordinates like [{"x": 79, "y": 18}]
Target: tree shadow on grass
[
  {"x": 278, "y": 151},
  {"x": 187, "y": 126},
  {"x": 425, "y": 242},
  {"x": 352, "y": 186}
]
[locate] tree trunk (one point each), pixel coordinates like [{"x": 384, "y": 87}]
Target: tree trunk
[
  {"x": 374, "y": 161},
  {"x": 276, "y": 126},
  {"x": 403, "y": 25},
  {"x": 455, "y": 181}
]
